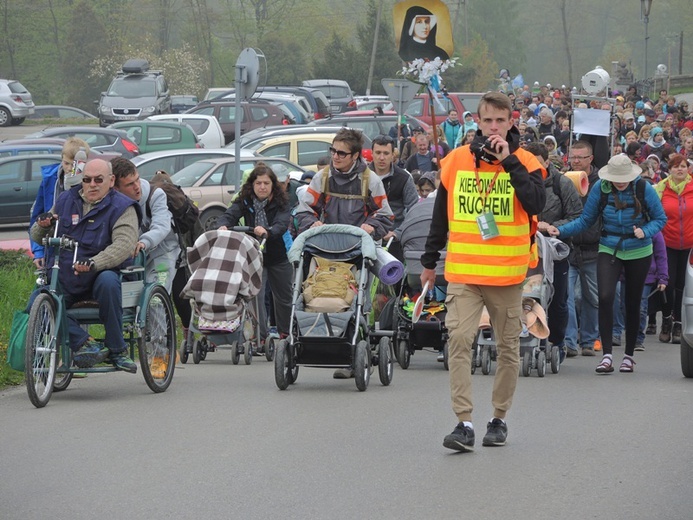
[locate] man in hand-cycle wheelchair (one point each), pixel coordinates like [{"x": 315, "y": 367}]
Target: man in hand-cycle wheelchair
[{"x": 105, "y": 223}]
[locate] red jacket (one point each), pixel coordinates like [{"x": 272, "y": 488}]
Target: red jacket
[{"x": 678, "y": 231}]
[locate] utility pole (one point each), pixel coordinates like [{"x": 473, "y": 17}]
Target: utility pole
[{"x": 375, "y": 47}]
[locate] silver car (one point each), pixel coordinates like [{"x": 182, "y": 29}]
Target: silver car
[{"x": 15, "y": 103}]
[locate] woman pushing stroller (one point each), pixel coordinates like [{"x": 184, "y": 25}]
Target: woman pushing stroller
[{"x": 264, "y": 206}]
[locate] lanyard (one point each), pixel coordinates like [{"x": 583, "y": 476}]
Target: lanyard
[{"x": 482, "y": 194}]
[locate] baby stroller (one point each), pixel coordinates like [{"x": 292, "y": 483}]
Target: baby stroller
[
  {"x": 327, "y": 329},
  {"x": 226, "y": 277},
  {"x": 535, "y": 351}
]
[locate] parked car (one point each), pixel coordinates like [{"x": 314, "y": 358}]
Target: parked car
[
  {"x": 207, "y": 128},
  {"x": 337, "y": 91},
  {"x": 172, "y": 161},
  {"x": 15, "y": 103},
  {"x": 255, "y": 114},
  {"x": 101, "y": 139},
  {"x": 420, "y": 106},
  {"x": 215, "y": 92},
  {"x": 152, "y": 136},
  {"x": 180, "y": 104},
  {"x": 135, "y": 93},
  {"x": 20, "y": 178},
  {"x": 208, "y": 182},
  {"x": 60, "y": 112},
  {"x": 312, "y": 100},
  {"x": 11, "y": 150},
  {"x": 371, "y": 102},
  {"x": 302, "y": 145},
  {"x": 369, "y": 122}
]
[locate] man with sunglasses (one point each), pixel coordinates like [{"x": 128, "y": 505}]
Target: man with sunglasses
[
  {"x": 105, "y": 223},
  {"x": 346, "y": 192}
]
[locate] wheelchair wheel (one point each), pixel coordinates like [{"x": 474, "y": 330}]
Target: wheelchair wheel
[
  {"x": 235, "y": 354},
  {"x": 157, "y": 343},
  {"x": 385, "y": 364},
  {"x": 41, "y": 356},
  {"x": 403, "y": 354},
  {"x": 282, "y": 368},
  {"x": 269, "y": 349},
  {"x": 62, "y": 381},
  {"x": 362, "y": 365}
]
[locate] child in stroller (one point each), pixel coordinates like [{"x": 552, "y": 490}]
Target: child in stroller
[{"x": 226, "y": 279}]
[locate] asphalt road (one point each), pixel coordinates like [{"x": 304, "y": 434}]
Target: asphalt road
[{"x": 223, "y": 443}]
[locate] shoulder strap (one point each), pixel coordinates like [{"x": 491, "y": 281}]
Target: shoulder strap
[
  {"x": 147, "y": 206},
  {"x": 640, "y": 195},
  {"x": 557, "y": 190}
]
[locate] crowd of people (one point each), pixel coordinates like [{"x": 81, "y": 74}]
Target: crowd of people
[{"x": 627, "y": 235}]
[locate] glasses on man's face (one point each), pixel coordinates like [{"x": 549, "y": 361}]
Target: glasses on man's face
[
  {"x": 95, "y": 180},
  {"x": 339, "y": 153},
  {"x": 578, "y": 158}
]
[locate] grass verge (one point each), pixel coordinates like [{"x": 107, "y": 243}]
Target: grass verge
[{"x": 17, "y": 280}]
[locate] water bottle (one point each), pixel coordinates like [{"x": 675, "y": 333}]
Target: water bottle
[{"x": 161, "y": 273}]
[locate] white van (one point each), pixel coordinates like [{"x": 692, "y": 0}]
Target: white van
[{"x": 207, "y": 128}]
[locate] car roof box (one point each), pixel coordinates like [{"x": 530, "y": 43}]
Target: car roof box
[{"x": 135, "y": 66}]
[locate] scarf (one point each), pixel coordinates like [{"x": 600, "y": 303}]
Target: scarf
[
  {"x": 673, "y": 186},
  {"x": 260, "y": 215}
]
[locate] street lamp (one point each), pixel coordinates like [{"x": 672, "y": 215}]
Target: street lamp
[{"x": 645, "y": 6}]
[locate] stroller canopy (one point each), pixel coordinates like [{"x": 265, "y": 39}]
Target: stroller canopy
[{"x": 333, "y": 241}]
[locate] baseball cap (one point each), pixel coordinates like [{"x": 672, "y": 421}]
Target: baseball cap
[
  {"x": 627, "y": 116},
  {"x": 649, "y": 113}
]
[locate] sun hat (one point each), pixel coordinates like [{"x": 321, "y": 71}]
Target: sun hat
[{"x": 620, "y": 169}]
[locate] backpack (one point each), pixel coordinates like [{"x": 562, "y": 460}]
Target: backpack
[
  {"x": 639, "y": 194},
  {"x": 365, "y": 190},
  {"x": 186, "y": 216},
  {"x": 330, "y": 287}
]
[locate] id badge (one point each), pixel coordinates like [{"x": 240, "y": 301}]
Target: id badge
[{"x": 487, "y": 225}]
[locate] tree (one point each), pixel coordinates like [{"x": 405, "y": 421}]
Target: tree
[
  {"x": 475, "y": 70},
  {"x": 282, "y": 56},
  {"x": 338, "y": 62},
  {"x": 387, "y": 62}
]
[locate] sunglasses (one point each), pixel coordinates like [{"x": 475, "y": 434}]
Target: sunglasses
[
  {"x": 339, "y": 153},
  {"x": 89, "y": 180}
]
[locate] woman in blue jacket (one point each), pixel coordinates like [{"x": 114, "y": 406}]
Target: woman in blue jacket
[{"x": 629, "y": 221}]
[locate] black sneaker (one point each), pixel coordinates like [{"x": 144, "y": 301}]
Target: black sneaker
[
  {"x": 122, "y": 362},
  {"x": 461, "y": 439},
  {"x": 496, "y": 433},
  {"x": 89, "y": 354}
]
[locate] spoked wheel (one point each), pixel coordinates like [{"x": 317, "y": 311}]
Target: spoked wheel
[
  {"x": 269, "y": 349},
  {"x": 486, "y": 360},
  {"x": 157, "y": 343},
  {"x": 403, "y": 354},
  {"x": 555, "y": 359},
  {"x": 541, "y": 363},
  {"x": 362, "y": 365},
  {"x": 41, "y": 356},
  {"x": 526, "y": 364},
  {"x": 282, "y": 368},
  {"x": 235, "y": 354},
  {"x": 184, "y": 351},
  {"x": 386, "y": 366}
]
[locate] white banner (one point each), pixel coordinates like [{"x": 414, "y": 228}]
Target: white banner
[{"x": 591, "y": 121}]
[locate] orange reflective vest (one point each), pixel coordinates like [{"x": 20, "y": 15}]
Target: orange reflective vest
[{"x": 499, "y": 261}]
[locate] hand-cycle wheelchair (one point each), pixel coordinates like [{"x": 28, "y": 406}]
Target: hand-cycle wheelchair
[{"x": 148, "y": 328}]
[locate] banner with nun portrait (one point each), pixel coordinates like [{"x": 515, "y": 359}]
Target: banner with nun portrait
[{"x": 422, "y": 30}]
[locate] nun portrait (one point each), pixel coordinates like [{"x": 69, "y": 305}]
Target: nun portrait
[{"x": 418, "y": 38}]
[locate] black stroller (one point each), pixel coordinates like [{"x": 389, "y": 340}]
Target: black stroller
[{"x": 329, "y": 331}]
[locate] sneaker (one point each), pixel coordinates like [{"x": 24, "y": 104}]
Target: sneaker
[
  {"x": 639, "y": 347},
  {"x": 588, "y": 351},
  {"x": 571, "y": 352},
  {"x": 122, "y": 362},
  {"x": 343, "y": 373},
  {"x": 158, "y": 368},
  {"x": 496, "y": 433},
  {"x": 615, "y": 341},
  {"x": 598, "y": 345},
  {"x": 651, "y": 329},
  {"x": 89, "y": 354},
  {"x": 461, "y": 438},
  {"x": 441, "y": 356}
]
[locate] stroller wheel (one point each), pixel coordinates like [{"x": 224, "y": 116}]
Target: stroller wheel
[
  {"x": 282, "y": 368},
  {"x": 235, "y": 355},
  {"x": 184, "y": 351},
  {"x": 555, "y": 359},
  {"x": 385, "y": 364},
  {"x": 198, "y": 349},
  {"x": 446, "y": 357},
  {"x": 526, "y": 364},
  {"x": 541, "y": 363},
  {"x": 269, "y": 349},
  {"x": 248, "y": 352},
  {"x": 362, "y": 365},
  {"x": 403, "y": 354},
  {"x": 486, "y": 361}
]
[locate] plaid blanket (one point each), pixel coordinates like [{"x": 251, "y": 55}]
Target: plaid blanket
[{"x": 226, "y": 269}]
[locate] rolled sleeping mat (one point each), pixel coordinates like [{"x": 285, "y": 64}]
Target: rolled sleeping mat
[
  {"x": 580, "y": 180},
  {"x": 386, "y": 267}
]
